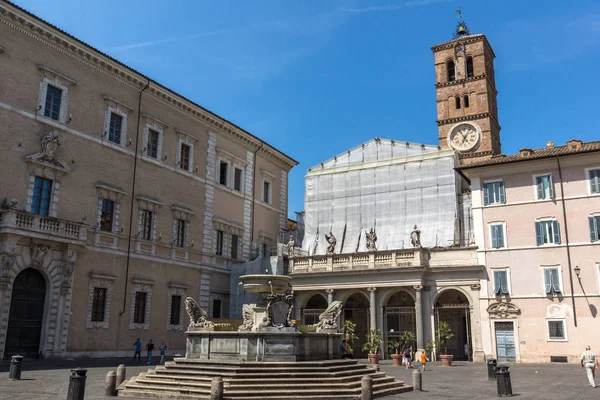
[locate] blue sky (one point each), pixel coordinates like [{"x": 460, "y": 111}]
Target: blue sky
[{"x": 316, "y": 77}]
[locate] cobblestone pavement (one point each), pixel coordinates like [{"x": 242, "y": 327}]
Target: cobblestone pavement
[{"x": 49, "y": 379}]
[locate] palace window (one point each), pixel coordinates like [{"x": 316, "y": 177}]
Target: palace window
[
  {"x": 184, "y": 163},
  {"x": 493, "y": 193},
  {"x": 114, "y": 128},
  {"x": 139, "y": 313},
  {"x": 557, "y": 330},
  {"x": 547, "y": 232},
  {"x": 219, "y": 250},
  {"x": 98, "y": 304},
  {"x": 147, "y": 224},
  {"x": 501, "y": 282},
  {"x": 497, "y": 235},
  {"x": 185, "y": 151},
  {"x": 180, "y": 232},
  {"x": 107, "y": 215},
  {"x": 594, "y": 178},
  {"x": 152, "y": 145},
  {"x": 216, "y": 308},
  {"x": 42, "y": 190},
  {"x": 470, "y": 72},
  {"x": 594, "y": 221},
  {"x": 234, "y": 246},
  {"x": 466, "y": 101},
  {"x": 175, "y": 310},
  {"x": 53, "y": 102},
  {"x": 544, "y": 187},
  {"x": 552, "y": 282},
  {"x": 223, "y": 172},
  {"x": 237, "y": 179},
  {"x": 267, "y": 192},
  {"x": 451, "y": 70}
]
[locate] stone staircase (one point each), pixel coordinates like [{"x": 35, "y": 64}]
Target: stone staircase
[{"x": 191, "y": 379}]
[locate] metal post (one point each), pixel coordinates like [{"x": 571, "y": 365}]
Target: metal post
[
  {"x": 503, "y": 381},
  {"x": 121, "y": 372},
  {"x": 417, "y": 380},
  {"x": 16, "y": 365},
  {"x": 366, "y": 388},
  {"x": 77, "y": 384},
  {"x": 491, "y": 365},
  {"x": 216, "y": 388},
  {"x": 110, "y": 384}
]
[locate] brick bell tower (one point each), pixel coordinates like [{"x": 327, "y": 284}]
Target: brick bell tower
[{"x": 466, "y": 95}]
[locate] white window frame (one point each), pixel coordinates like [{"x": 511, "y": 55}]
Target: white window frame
[
  {"x": 185, "y": 214},
  {"x": 552, "y": 193},
  {"x": 508, "y": 280},
  {"x": 266, "y": 177},
  {"x": 560, "y": 280},
  {"x": 105, "y": 283},
  {"x": 141, "y": 287},
  {"x": 118, "y": 108},
  {"x": 157, "y": 125},
  {"x": 184, "y": 138},
  {"x": 176, "y": 290},
  {"x": 492, "y": 223},
  {"x": 229, "y": 228},
  {"x": 588, "y": 181},
  {"x": 227, "y": 175},
  {"x": 146, "y": 203},
  {"x": 551, "y": 220},
  {"x": 108, "y": 192},
  {"x": 564, "y": 322},
  {"x": 596, "y": 217},
  {"x": 60, "y": 81},
  {"x": 483, "y": 192}
]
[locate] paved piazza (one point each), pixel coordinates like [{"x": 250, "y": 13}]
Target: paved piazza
[{"x": 45, "y": 380}]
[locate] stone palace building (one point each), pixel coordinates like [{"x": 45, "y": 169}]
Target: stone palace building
[{"x": 119, "y": 199}]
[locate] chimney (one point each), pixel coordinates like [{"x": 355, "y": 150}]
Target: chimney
[
  {"x": 574, "y": 144},
  {"x": 549, "y": 144},
  {"x": 525, "y": 152}
]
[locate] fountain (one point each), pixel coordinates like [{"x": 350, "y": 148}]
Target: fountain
[{"x": 267, "y": 332}]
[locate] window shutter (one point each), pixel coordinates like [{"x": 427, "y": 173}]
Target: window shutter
[
  {"x": 540, "y": 187},
  {"x": 504, "y": 275},
  {"x": 556, "y": 230},
  {"x": 497, "y": 282},
  {"x": 550, "y": 186},
  {"x": 594, "y": 181},
  {"x": 555, "y": 280},
  {"x": 501, "y": 190},
  {"x": 538, "y": 233},
  {"x": 500, "y": 235},
  {"x": 494, "y": 236},
  {"x": 548, "y": 280},
  {"x": 486, "y": 194},
  {"x": 593, "y": 229}
]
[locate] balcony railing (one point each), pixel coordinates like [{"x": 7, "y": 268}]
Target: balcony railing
[
  {"x": 358, "y": 261},
  {"x": 22, "y": 222}
]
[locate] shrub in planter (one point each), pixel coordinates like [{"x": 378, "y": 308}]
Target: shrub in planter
[
  {"x": 372, "y": 344},
  {"x": 444, "y": 333},
  {"x": 395, "y": 347}
]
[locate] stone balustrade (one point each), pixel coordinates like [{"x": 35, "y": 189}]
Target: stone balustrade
[
  {"x": 22, "y": 222},
  {"x": 358, "y": 261}
]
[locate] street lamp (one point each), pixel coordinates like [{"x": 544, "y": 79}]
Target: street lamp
[{"x": 577, "y": 271}]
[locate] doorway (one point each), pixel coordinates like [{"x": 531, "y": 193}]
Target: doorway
[
  {"x": 356, "y": 310},
  {"x": 505, "y": 341},
  {"x": 26, "y": 314},
  {"x": 453, "y": 307}
]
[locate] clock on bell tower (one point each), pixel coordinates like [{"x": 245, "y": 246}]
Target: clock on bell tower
[{"x": 466, "y": 95}]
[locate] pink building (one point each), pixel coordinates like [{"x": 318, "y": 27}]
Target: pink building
[{"x": 536, "y": 217}]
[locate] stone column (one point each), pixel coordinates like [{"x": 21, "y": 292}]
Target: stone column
[
  {"x": 419, "y": 317},
  {"x": 372, "y": 308},
  {"x": 329, "y": 292}
]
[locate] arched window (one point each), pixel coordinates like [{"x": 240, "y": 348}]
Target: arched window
[
  {"x": 457, "y": 99},
  {"x": 450, "y": 66},
  {"x": 470, "y": 67},
  {"x": 466, "y": 100}
]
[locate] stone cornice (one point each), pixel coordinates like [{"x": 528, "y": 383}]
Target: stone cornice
[
  {"x": 460, "y": 81},
  {"x": 53, "y": 37},
  {"x": 476, "y": 154},
  {"x": 63, "y": 76},
  {"x": 464, "y": 40},
  {"x": 441, "y": 122}
]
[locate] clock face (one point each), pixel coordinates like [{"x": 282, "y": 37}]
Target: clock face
[{"x": 464, "y": 137}]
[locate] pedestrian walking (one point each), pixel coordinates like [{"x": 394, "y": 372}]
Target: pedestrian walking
[
  {"x": 423, "y": 360},
  {"x": 138, "y": 350},
  {"x": 590, "y": 363},
  {"x": 149, "y": 348},
  {"x": 408, "y": 354},
  {"x": 163, "y": 352}
]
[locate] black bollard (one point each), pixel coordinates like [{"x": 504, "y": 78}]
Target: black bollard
[
  {"x": 77, "y": 384},
  {"x": 503, "y": 381},
  {"x": 16, "y": 364},
  {"x": 491, "y": 365}
]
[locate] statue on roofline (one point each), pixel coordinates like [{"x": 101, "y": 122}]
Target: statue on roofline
[
  {"x": 332, "y": 241},
  {"x": 371, "y": 239},
  {"x": 415, "y": 237}
]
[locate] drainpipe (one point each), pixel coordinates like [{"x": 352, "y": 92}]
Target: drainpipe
[
  {"x": 564, "y": 208},
  {"x": 254, "y": 195},
  {"x": 135, "y": 159}
]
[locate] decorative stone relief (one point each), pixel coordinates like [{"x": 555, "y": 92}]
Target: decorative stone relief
[
  {"x": 67, "y": 277},
  {"x": 476, "y": 286},
  {"x": 38, "y": 252},
  {"x": 558, "y": 311},
  {"x": 248, "y": 316},
  {"x": 328, "y": 318},
  {"x": 197, "y": 315},
  {"x": 7, "y": 261},
  {"x": 269, "y": 320},
  {"x": 503, "y": 311}
]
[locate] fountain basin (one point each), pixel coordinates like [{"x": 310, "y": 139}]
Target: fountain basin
[{"x": 259, "y": 283}]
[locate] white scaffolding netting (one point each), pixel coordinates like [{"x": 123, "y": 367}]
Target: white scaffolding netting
[{"x": 386, "y": 185}]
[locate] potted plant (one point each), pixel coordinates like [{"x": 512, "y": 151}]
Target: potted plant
[
  {"x": 395, "y": 348},
  {"x": 444, "y": 333},
  {"x": 373, "y": 341},
  {"x": 349, "y": 329},
  {"x": 430, "y": 348}
]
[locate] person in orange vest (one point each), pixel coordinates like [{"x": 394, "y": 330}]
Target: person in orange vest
[{"x": 423, "y": 361}]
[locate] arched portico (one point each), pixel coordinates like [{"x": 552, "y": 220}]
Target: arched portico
[
  {"x": 399, "y": 314},
  {"x": 453, "y": 305},
  {"x": 314, "y": 306},
  {"x": 357, "y": 309}
]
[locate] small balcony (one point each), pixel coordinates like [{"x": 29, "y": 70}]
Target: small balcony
[
  {"x": 358, "y": 261},
  {"x": 24, "y": 223}
]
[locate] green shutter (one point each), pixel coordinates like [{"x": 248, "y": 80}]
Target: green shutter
[
  {"x": 538, "y": 233},
  {"x": 497, "y": 282},
  {"x": 486, "y": 194},
  {"x": 501, "y": 191},
  {"x": 548, "y": 280},
  {"x": 593, "y": 228},
  {"x": 556, "y": 231}
]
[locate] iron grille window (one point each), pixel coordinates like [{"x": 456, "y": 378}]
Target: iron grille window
[
  {"x": 237, "y": 179},
  {"x": 146, "y": 225},
  {"x": 267, "y": 192},
  {"x": 53, "y": 99},
  {"x": 106, "y": 217},
  {"x": 185, "y": 157},
  {"x": 556, "y": 330},
  {"x": 139, "y": 314},
  {"x": 114, "y": 129},
  {"x": 152, "y": 149},
  {"x": 219, "y": 243},
  {"x": 223, "y": 169},
  {"x": 234, "y": 246},
  {"x": 216, "y": 308},
  {"x": 175, "y": 310},
  {"x": 180, "y": 238},
  {"x": 40, "y": 202},
  {"x": 98, "y": 304}
]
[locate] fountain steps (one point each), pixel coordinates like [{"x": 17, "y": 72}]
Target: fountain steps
[{"x": 338, "y": 379}]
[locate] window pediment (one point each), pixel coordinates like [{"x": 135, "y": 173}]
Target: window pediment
[
  {"x": 503, "y": 310},
  {"x": 228, "y": 226}
]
